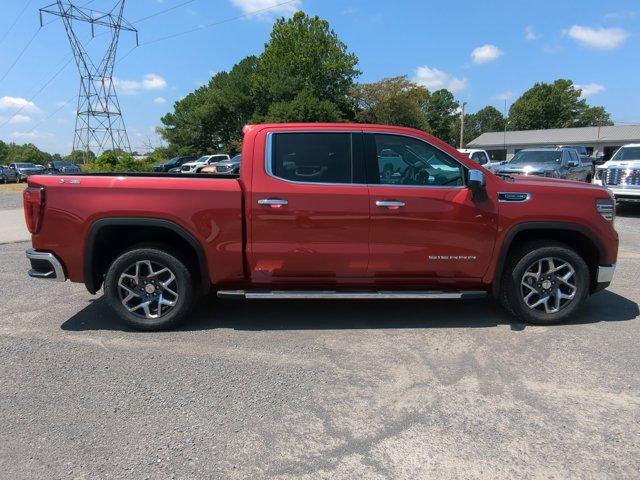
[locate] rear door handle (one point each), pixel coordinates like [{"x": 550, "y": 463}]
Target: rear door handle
[
  {"x": 390, "y": 204},
  {"x": 273, "y": 202}
]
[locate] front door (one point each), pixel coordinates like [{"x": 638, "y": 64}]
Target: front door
[
  {"x": 309, "y": 210},
  {"x": 425, "y": 224}
]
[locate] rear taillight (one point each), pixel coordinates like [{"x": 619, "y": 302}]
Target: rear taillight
[{"x": 33, "y": 199}]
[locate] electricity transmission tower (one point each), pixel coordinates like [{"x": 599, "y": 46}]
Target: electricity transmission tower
[{"x": 99, "y": 122}]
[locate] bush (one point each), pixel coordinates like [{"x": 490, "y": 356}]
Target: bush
[{"x": 110, "y": 161}]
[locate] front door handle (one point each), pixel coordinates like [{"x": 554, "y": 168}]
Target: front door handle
[
  {"x": 390, "y": 204},
  {"x": 273, "y": 202}
]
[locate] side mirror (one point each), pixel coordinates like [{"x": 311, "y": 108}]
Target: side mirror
[{"x": 476, "y": 180}]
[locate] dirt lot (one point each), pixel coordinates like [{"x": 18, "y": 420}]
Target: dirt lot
[{"x": 335, "y": 390}]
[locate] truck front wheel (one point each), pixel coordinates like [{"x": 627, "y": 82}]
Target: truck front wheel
[
  {"x": 149, "y": 288},
  {"x": 544, "y": 282}
]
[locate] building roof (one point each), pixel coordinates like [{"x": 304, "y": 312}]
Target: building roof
[{"x": 618, "y": 134}]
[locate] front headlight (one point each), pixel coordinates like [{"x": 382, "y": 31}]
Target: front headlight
[{"x": 607, "y": 208}]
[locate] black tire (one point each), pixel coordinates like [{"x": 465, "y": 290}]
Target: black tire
[
  {"x": 512, "y": 294},
  {"x": 183, "y": 285}
]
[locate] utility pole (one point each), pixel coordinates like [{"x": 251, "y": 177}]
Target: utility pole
[
  {"x": 462, "y": 125},
  {"x": 99, "y": 123}
]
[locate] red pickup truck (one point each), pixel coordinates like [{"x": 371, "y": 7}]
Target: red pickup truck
[{"x": 325, "y": 211}]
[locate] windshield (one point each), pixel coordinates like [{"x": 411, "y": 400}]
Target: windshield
[
  {"x": 537, "y": 156},
  {"x": 60, "y": 164},
  {"x": 237, "y": 159},
  {"x": 25, "y": 165},
  {"x": 627, "y": 153},
  {"x": 203, "y": 159},
  {"x": 173, "y": 161}
]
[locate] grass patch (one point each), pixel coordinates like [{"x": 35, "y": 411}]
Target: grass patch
[{"x": 12, "y": 187}]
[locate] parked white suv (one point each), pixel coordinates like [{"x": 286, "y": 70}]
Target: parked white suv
[
  {"x": 478, "y": 156},
  {"x": 621, "y": 174},
  {"x": 199, "y": 164}
]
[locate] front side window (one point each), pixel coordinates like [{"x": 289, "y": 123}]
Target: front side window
[
  {"x": 409, "y": 161},
  {"x": 312, "y": 157}
]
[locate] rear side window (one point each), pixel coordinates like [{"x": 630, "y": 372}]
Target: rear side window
[{"x": 312, "y": 157}]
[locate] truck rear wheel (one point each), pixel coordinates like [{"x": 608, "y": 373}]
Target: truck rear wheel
[
  {"x": 544, "y": 283},
  {"x": 149, "y": 288}
]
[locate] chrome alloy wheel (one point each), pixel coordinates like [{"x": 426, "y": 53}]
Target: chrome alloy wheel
[
  {"x": 548, "y": 285},
  {"x": 148, "y": 289}
]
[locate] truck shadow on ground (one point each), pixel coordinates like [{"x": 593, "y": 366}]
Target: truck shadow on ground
[
  {"x": 212, "y": 313},
  {"x": 628, "y": 210}
]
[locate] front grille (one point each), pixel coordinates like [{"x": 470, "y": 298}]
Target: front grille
[
  {"x": 621, "y": 177},
  {"x": 223, "y": 168},
  {"x": 186, "y": 168}
]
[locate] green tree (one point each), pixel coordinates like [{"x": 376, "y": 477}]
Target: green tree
[
  {"x": 211, "y": 118},
  {"x": 442, "y": 117},
  {"x": 304, "y": 61},
  {"x": 487, "y": 119},
  {"x": 80, "y": 156},
  {"x": 554, "y": 105},
  {"x": 392, "y": 101},
  {"x": 4, "y": 152},
  {"x": 106, "y": 161}
]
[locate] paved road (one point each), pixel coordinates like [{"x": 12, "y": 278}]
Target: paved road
[
  {"x": 12, "y": 226},
  {"x": 335, "y": 390},
  {"x": 10, "y": 200}
]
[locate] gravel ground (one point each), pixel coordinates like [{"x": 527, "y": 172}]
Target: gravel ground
[
  {"x": 334, "y": 390},
  {"x": 10, "y": 200}
]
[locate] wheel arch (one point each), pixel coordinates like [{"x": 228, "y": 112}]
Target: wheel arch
[
  {"x": 577, "y": 236},
  {"x": 121, "y": 233}
]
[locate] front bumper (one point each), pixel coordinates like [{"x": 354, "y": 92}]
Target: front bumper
[
  {"x": 45, "y": 266},
  {"x": 605, "y": 276},
  {"x": 626, "y": 194}
]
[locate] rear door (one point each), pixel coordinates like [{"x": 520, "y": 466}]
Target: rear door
[
  {"x": 309, "y": 208},
  {"x": 425, "y": 225}
]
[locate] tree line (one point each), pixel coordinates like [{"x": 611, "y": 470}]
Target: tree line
[{"x": 306, "y": 74}]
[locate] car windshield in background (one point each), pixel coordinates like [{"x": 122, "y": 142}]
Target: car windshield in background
[
  {"x": 173, "y": 161},
  {"x": 627, "y": 153},
  {"x": 237, "y": 159},
  {"x": 59, "y": 164},
  {"x": 25, "y": 165},
  {"x": 538, "y": 156}
]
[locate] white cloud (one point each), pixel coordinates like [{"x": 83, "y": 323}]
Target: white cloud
[
  {"x": 589, "y": 89},
  {"x": 612, "y": 16},
  {"x": 150, "y": 81},
  {"x": 17, "y": 103},
  {"x": 530, "y": 33},
  {"x": 19, "y": 119},
  {"x": 32, "y": 135},
  {"x": 602, "y": 38},
  {"x": 435, "y": 79},
  {"x": 485, "y": 53},
  {"x": 159, "y": 100},
  {"x": 505, "y": 96},
  {"x": 265, "y": 7}
]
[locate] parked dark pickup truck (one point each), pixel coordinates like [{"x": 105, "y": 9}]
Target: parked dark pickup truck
[
  {"x": 325, "y": 211},
  {"x": 562, "y": 163}
]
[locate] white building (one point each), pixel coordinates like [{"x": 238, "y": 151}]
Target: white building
[{"x": 598, "y": 140}]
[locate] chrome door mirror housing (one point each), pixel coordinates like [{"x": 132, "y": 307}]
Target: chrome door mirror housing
[{"x": 476, "y": 180}]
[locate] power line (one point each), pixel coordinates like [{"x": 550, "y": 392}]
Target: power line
[
  {"x": 163, "y": 11},
  {"x": 20, "y": 54},
  {"x": 6, "y": 33},
  {"x": 203, "y": 27}
]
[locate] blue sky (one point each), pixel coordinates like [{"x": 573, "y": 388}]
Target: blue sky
[{"x": 485, "y": 52}]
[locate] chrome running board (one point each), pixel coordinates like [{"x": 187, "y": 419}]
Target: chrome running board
[{"x": 328, "y": 294}]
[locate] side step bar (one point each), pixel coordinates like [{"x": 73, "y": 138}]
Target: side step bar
[{"x": 328, "y": 294}]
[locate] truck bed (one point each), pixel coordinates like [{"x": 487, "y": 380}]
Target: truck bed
[{"x": 207, "y": 207}]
